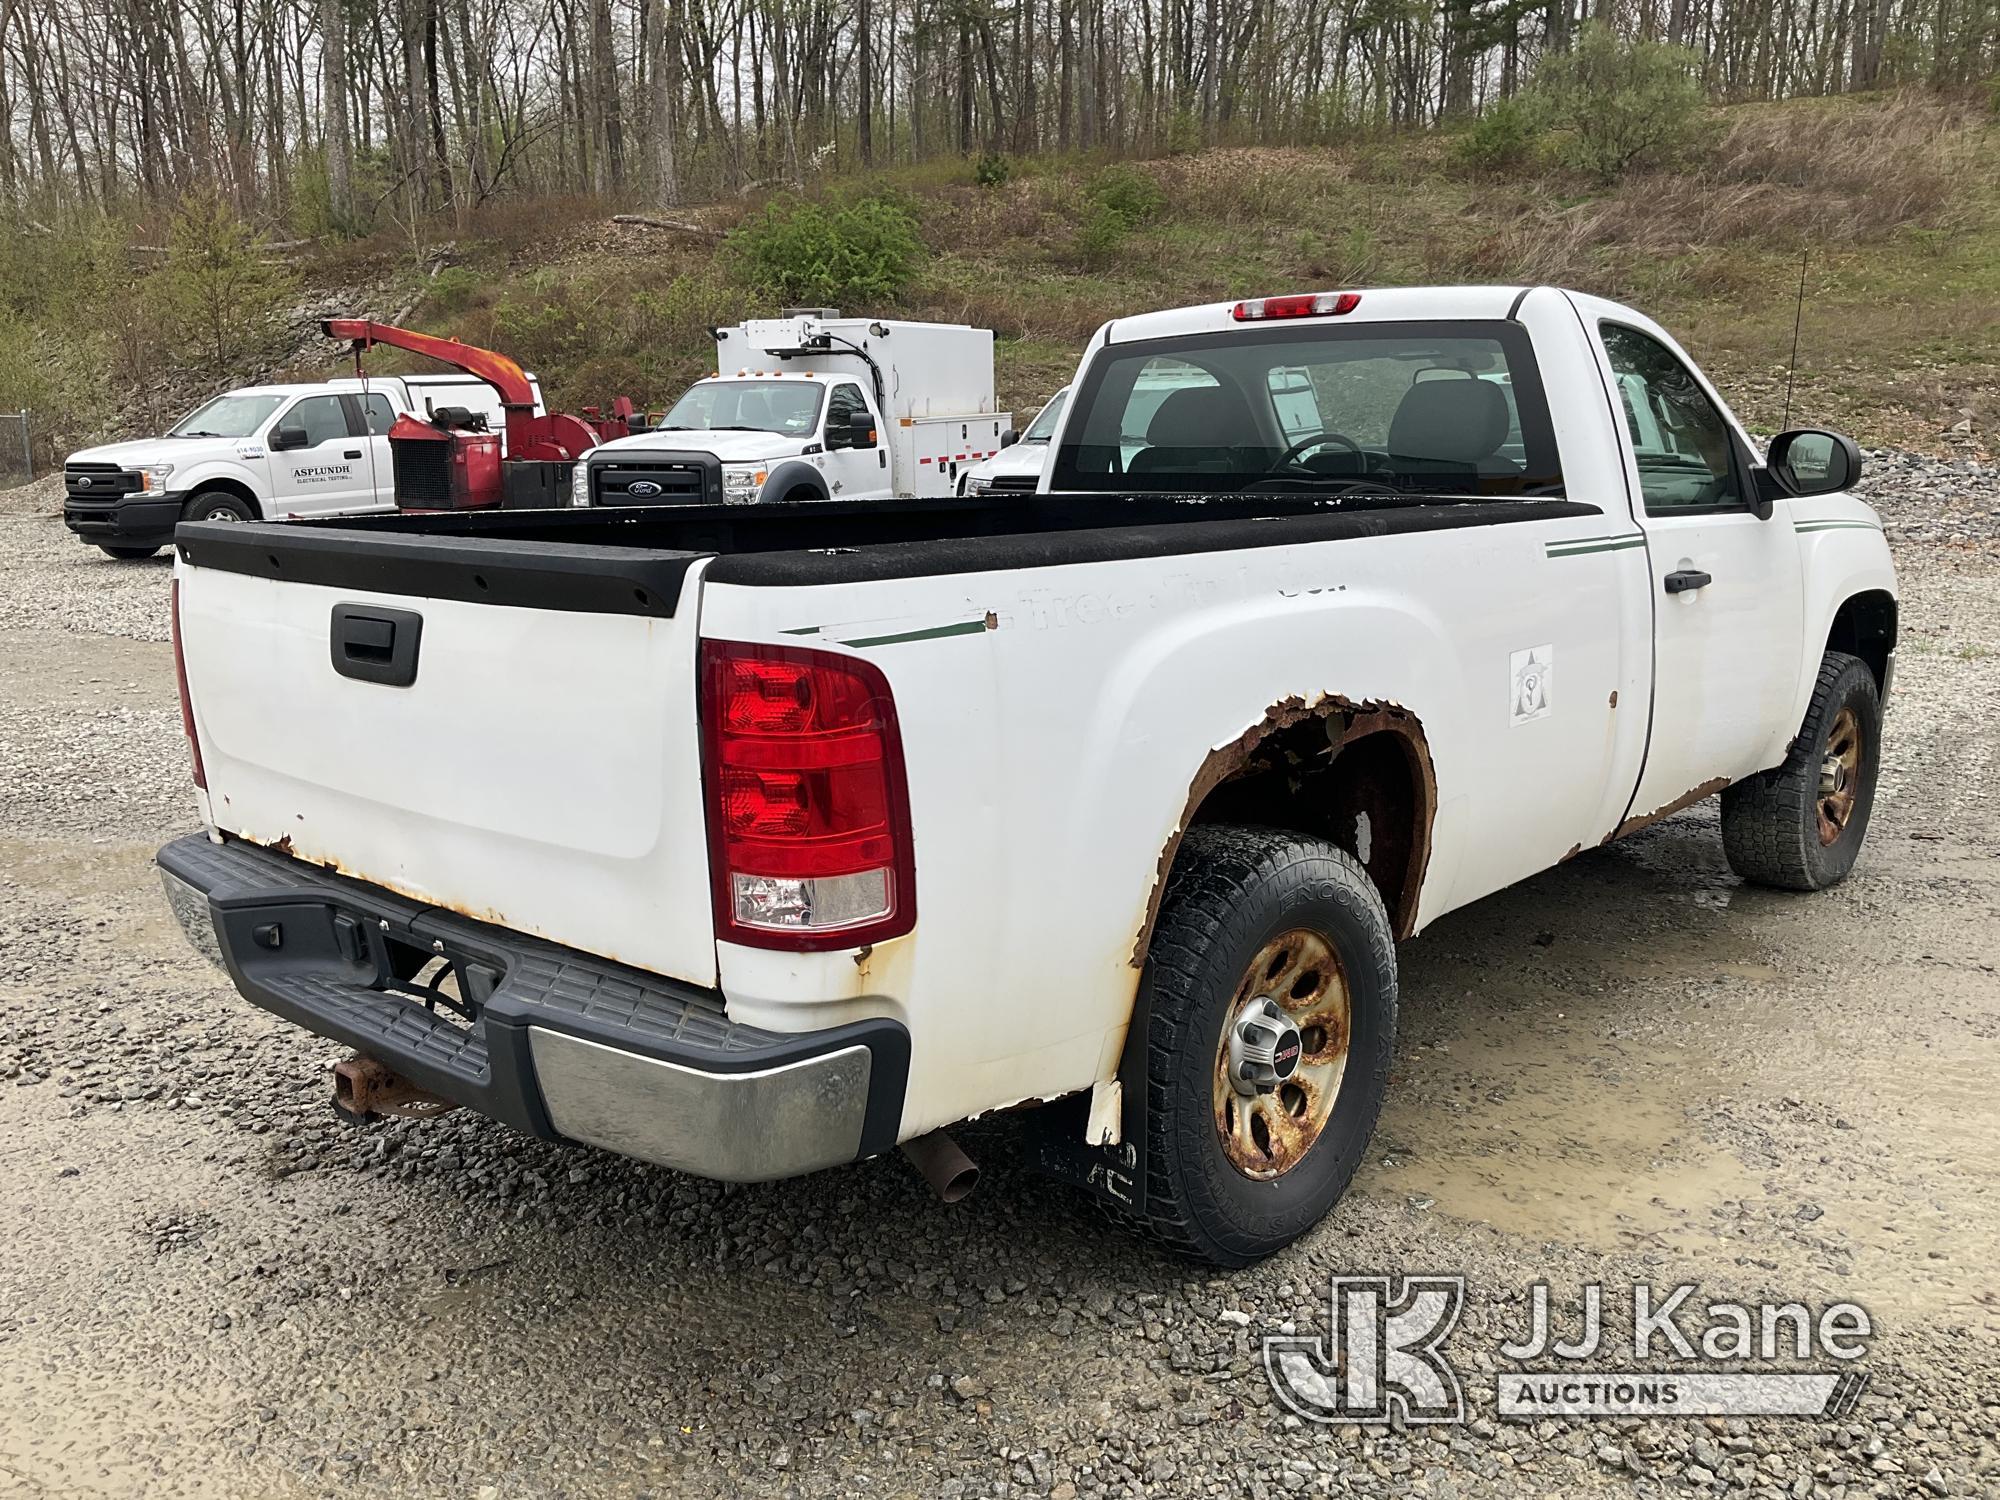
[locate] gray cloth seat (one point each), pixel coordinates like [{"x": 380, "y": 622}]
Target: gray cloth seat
[
  {"x": 753, "y": 409},
  {"x": 1202, "y": 429},
  {"x": 1451, "y": 426}
]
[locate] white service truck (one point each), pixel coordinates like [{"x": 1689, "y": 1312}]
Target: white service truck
[
  {"x": 260, "y": 453},
  {"x": 814, "y": 406},
  {"x": 796, "y": 835}
]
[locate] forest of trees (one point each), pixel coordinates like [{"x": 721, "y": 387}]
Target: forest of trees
[{"x": 328, "y": 115}]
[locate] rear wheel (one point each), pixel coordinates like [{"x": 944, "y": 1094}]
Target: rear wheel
[
  {"x": 1271, "y": 995},
  {"x": 1800, "y": 827},
  {"x": 126, "y": 554},
  {"x": 217, "y": 505}
]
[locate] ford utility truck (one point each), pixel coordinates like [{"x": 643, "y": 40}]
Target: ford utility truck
[
  {"x": 260, "y": 453},
  {"x": 755, "y": 842},
  {"x": 814, "y": 406}
]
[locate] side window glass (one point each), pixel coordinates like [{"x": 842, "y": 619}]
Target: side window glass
[
  {"x": 1294, "y": 402},
  {"x": 841, "y": 405},
  {"x": 322, "y": 418},
  {"x": 381, "y": 415},
  {"x": 1679, "y": 438}
]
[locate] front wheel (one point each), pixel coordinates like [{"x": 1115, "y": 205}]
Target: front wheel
[
  {"x": 1799, "y": 827},
  {"x": 1270, "y": 988},
  {"x": 217, "y": 505},
  {"x": 126, "y": 554}
]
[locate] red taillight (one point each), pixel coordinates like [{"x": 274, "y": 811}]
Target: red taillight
[
  {"x": 808, "y": 809},
  {"x": 181, "y": 682},
  {"x": 1301, "y": 305}
]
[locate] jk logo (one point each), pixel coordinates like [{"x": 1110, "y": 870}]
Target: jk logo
[{"x": 1385, "y": 1354}]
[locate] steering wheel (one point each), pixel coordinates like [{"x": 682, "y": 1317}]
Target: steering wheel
[{"x": 1320, "y": 440}]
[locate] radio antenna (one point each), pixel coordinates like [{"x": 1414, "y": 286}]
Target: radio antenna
[{"x": 1798, "y": 313}]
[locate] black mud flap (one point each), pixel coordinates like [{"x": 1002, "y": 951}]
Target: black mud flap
[{"x": 1117, "y": 1174}]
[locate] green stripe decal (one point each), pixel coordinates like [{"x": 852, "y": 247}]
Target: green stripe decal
[
  {"x": 934, "y": 632},
  {"x": 1577, "y": 546},
  {"x": 1835, "y": 526},
  {"x": 804, "y": 630}
]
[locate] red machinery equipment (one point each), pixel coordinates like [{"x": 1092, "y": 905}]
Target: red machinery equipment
[{"x": 448, "y": 460}]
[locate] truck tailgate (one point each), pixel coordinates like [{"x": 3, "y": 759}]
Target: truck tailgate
[{"x": 542, "y": 768}]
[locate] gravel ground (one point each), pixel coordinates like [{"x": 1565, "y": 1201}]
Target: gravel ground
[{"x": 1631, "y": 1067}]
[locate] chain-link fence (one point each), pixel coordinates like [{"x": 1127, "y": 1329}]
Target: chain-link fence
[{"x": 17, "y": 454}]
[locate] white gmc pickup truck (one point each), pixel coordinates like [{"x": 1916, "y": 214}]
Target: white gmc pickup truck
[{"x": 756, "y": 840}]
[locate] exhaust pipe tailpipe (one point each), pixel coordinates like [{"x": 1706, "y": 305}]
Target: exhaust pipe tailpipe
[{"x": 950, "y": 1172}]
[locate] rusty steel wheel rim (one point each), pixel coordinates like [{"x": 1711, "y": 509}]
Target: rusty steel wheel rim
[
  {"x": 1266, "y": 1134},
  {"x": 1839, "y": 775}
]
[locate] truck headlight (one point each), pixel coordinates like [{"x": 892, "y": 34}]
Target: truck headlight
[
  {"x": 154, "y": 476},
  {"x": 740, "y": 483}
]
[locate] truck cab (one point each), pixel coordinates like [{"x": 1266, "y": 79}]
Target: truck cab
[
  {"x": 258, "y": 453},
  {"x": 813, "y": 406}
]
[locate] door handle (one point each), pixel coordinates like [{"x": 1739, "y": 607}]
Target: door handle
[
  {"x": 371, "y": 644},
  {"x": 352, "y": 453},
  {"x": 1687, "y": 580}
]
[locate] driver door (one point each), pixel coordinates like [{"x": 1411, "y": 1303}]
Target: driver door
[
  {"x": 327, "y": 474},
  {"x": 1727, "y": 585}
]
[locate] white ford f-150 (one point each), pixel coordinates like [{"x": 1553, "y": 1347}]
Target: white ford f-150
[
  {"x": 756, "y": 841},
  {"x": 264, "y": 452}
]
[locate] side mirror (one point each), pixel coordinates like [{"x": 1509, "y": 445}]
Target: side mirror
[
  {"x": 1009, "y": 438},
  {"x": 1809, "y": 462},
  {"x": 860, "y": 431},
  {"x": 287, "y": 437}
]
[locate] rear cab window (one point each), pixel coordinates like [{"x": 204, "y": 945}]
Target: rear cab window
[{"x": 1443, "y": 408}]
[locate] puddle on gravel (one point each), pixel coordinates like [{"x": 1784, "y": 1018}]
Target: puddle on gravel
[{"x": 1560, "y": 1138}]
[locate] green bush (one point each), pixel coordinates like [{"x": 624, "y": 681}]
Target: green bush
[
  {"x": 991, "y": 170},
  {"x": 1129, "y": 193},
  {"x": 1502, "y": 139},
  {"x": 1101, "y": 236},
  {"x": 1623, "y": 104},
  {"x": 1183, "y": 133},
  {"x": 453, "y": 288},
  {"x": 800, "y": 251}
]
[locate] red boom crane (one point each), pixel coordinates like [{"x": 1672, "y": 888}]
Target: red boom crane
[{"x": 446, "y": 460}]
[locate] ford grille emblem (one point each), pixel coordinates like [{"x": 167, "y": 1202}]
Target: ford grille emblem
[
  {"x": 83, "y": 481},
  {"x": 642, "y": 487}
]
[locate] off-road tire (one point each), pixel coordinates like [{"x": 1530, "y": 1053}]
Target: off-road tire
[
  {"x": 1232, "y": 890},
  {"x": 1770, "y": 821},
  {"x": 127, "y": 554},
  {"x": 204, "y": 504}
]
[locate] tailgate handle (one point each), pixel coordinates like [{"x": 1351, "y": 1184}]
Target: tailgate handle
[{"x": 372, "y": 644}]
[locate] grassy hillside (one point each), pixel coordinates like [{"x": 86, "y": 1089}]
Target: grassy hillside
[{"x": 1895, "y": 201}]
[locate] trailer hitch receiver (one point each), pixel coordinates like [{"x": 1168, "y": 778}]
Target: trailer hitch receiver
[{"x": 364, "y": 1089}]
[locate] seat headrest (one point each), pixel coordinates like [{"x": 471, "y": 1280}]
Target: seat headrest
[
  {"x": 1454, "y": 420},
  {"x": 1202, "y": 416}
]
